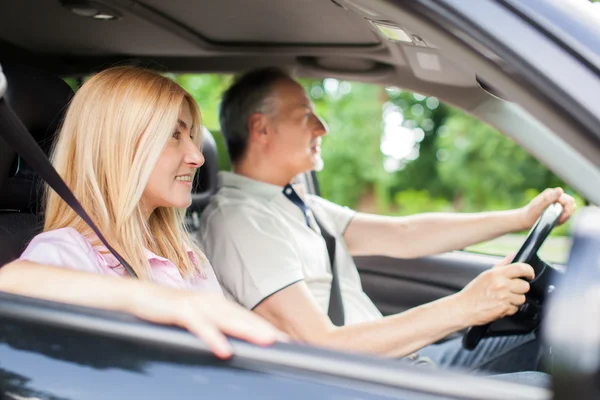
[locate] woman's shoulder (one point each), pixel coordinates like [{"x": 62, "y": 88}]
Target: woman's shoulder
[
  {"x": 66, "y": 236},
  {"x": 62, "y": 247}
]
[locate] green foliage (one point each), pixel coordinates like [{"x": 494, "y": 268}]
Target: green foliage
[
  {"x": 206, "y": 90},
  {"x": 484, "y": 169},
  {"x": 416, "y": 201},
  {"x": 224, "y": 161},
  {"x": 422, "y": 173},
  {"x": 73, "y": 82},
  {"x": 458, "y": 164}
]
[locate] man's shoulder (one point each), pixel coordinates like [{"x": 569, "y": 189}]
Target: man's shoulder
[
  {"x": 230, "y": 207},
  {"x": 231, "y": 200}
]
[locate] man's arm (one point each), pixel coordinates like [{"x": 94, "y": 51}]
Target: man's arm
[
  {"x": 493, "y": 294},
  {"x": 427, "y": 234}
]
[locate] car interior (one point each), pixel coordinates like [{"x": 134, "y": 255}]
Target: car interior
[
  {"x": 22, "y": 218},
  {"x": 344, "y": 39}
]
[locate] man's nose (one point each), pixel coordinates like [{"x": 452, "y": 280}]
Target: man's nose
[{"x": 321, "y": 127}]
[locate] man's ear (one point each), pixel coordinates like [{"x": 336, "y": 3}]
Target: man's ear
[{"x": 258, "y": 125}]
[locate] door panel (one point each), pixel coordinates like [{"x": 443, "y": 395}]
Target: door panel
[
  {"x": 52, "y": 351},
  {"x": 396, "y": 285}
]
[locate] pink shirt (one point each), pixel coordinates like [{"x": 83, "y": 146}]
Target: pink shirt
[{"x": 67, "y": 248}]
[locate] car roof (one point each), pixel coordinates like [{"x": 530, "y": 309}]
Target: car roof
[{"x": 313, "y": 38}]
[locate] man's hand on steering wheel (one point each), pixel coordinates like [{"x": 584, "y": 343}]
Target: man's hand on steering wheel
[
  {"x": 495, "y": 293},
  {"x": 532, "y": 211},
  {"x": 523, "y": 314}
]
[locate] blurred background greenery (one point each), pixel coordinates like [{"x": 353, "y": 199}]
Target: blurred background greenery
[{"x": 394, "y": 152}]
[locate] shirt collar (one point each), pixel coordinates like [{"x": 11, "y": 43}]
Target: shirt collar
[
  {"x": 260, "y": 189},
  {"x": 112, "y": 261}
]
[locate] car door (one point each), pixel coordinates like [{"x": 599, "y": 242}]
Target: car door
[
  {"x": 396, "y": 285},
  {"x": 53, "y": 351}
]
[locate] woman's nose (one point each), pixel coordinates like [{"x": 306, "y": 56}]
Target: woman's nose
[{"x": 194, "y": 156}]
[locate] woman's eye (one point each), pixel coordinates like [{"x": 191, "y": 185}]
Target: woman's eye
[{"x": 176, "y": 134}]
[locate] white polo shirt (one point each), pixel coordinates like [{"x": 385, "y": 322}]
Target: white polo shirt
[{"x": 258, "y": 244}]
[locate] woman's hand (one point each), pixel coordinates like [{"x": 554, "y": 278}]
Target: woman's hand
[{"x": 207, "y": 315}]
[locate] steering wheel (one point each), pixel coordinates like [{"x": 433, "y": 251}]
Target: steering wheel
[{"x": 528, "y": 317}]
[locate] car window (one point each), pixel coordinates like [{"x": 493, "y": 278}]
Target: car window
[{"x": 393, "y": 152}]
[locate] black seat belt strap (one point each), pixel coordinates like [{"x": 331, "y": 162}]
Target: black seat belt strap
[
  {"x": 336, "y": 306},
  {"x": 18, "y": 137}
]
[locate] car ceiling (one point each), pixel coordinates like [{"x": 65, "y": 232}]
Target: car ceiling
[{"x": 313, "y": 38}]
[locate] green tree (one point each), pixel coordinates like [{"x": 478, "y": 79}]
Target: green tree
[
  {"x": 420, "y": 177},
  {"x": 486, "y": 170}
]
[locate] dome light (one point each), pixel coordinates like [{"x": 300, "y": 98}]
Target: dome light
[{"x": 91, "y": 9}]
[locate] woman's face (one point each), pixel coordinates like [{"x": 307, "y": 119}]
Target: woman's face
[{"x": 170, "y": 183}]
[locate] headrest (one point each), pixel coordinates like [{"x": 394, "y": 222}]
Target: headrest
[
  {"x": 39, "y": 99},
  {"x": 206, "y": 182}
]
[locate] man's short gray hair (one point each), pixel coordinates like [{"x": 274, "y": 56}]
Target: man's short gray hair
[{"x": 250, "y": 93}]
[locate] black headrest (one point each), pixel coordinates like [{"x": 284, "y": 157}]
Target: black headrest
[
  {"x": 206, "y": 181},
  {"x": 39, "y": 99}
]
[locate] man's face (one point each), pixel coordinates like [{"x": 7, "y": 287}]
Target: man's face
[{"x": 295, "y": 144}]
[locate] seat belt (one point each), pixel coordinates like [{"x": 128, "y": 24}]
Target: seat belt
[
  {"x": 336, "y": 306},
  {"x": 18, "y": 137}
]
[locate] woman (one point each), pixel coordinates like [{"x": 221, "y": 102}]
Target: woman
[{"x": 128, "y": 148}]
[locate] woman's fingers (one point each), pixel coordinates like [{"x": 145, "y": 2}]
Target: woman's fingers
[
  {"x": 212, "y": 317},
  {"x": 206, "y": 315},
  {"x": 245, "y": 325},
  {"x": 210, "y": 333}
]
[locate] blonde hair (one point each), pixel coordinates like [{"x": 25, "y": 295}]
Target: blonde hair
[{"x": 113, "y": 133}]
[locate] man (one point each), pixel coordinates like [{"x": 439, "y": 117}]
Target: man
[{"x": 263, "y": 237}]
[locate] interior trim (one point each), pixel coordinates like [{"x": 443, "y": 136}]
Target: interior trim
[
  {"x": 379, "y": 71},
  {"x": 177, "y": 28}
]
